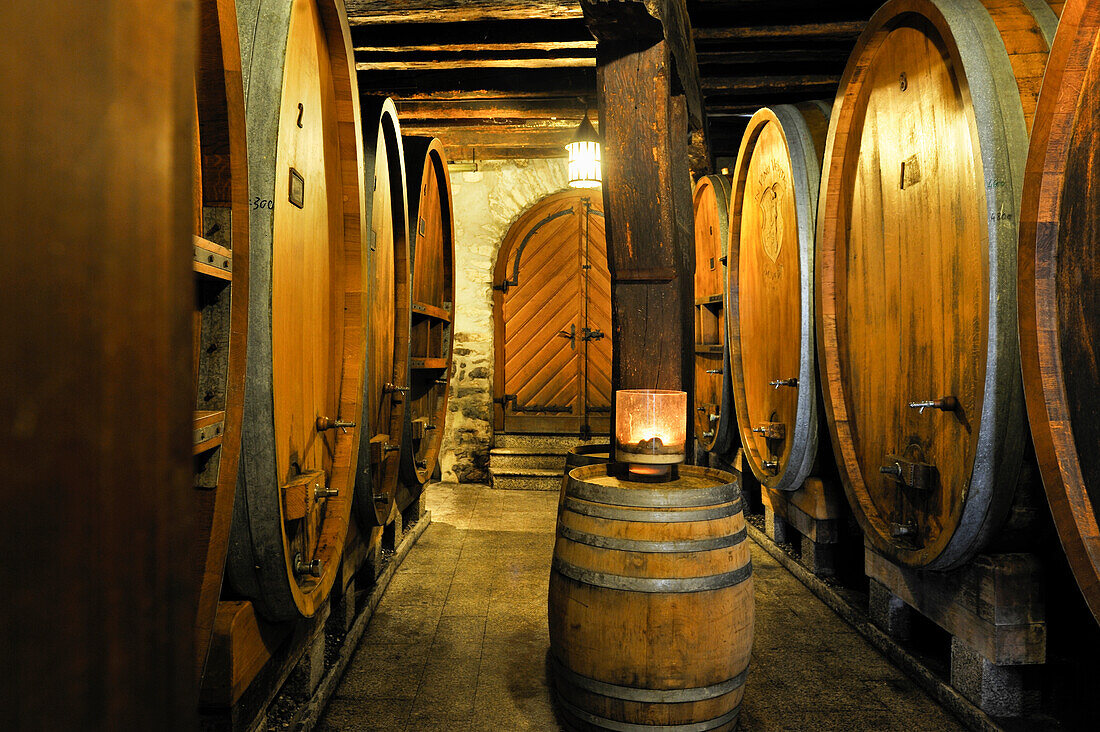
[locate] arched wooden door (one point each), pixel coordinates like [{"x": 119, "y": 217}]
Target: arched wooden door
[{"x": 552, "y": 319}]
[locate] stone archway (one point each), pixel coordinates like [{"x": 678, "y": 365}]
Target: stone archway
[{"x": 486, "y": 204}]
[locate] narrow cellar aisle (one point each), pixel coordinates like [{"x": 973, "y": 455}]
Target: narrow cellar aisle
[{"x": 459, "y": 641}]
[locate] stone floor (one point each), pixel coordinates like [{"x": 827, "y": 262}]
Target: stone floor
[{"x": 459, "y": 640}]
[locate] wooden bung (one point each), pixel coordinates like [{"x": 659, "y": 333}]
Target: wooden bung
[
  {"x": 916, "y": 271},
  {"x": 386, "y": 391},
  {"x": 431, "y": 238},
  {"x": 712, "y": 396},
  {"x": 771, "y": 291},
  {"x": 651, "y": 601},
  {"x": 220, "y": 211},
  {"x": 1059, "y": 277},
  {"x": 307, "y": 310}
]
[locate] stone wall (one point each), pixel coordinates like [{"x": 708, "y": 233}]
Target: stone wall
[{"x": 486, "y": 204}]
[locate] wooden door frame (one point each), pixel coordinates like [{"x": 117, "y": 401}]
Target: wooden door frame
[{"x": 501, "y": 275}]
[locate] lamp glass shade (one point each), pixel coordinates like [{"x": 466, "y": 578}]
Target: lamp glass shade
[
  {"x": 584, "y": 157},
  {"x": 650, "y": 426},
  {"x": 584, "y": 164}
]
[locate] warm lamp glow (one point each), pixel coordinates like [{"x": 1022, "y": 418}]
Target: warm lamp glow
[
  {"x": 650, "y": 426},
  {"x": 584, "y": 157}
]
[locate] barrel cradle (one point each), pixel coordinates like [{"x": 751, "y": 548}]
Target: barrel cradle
[
  {"x": 431, "y": 236},
  {"x": 220, "y": 236},
  {"x": 386, "y": 389},
  {"x": 1058, "y": 281},
  {"x": 916, "y": 271},
  {"x": 307, "y": 306},
  {"x": 650, "y": 601},
  {"x": 773, "y": 207},
  {"x": 712, "y": 397}
]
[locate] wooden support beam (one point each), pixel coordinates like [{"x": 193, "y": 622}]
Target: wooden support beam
[
  {"x": 374, "y": 46},
  {"x": 435, "y": 11},
  {"x": 642, "y": 22},
  {"x": 649, "y": 224},
  {"x": 815, "y": 31},
  {"x": 455, "y": 109},
  {"x": 490, "y": 152},
  {"x": 485, "y": 84},
  {"x": 476, "y": 63},
  {"x": 735, "y": 85}
]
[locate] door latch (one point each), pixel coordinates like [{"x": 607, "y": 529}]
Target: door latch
[
  {"x": 570, "y": 334},
  {"x": 590, "y": 334}
]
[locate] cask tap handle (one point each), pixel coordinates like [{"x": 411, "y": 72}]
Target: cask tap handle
[
  {"x": 793, "y": 383},
  {"x": 946, "y": 404},
  {"x": 325, "y": 423}
]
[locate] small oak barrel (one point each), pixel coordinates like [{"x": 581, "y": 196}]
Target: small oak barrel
[
  {"x": 916, "y": 267},
  {"x": 582, "y": 455},
  {"x": 386, "y": 389},
  {"x": 712, "y": 395},
  {"x": 96, "y": 303},
  {"x": 1059, "y": 280},
  {"x": 431, "y": 238},
  {"x": 306, "y": 330},
  {"x": 221, "y": 299},
  {"x": 771, "y": 291},
  {"x": 650, "y": 601}
]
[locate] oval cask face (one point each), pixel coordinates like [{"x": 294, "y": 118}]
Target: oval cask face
[
  {"x": 914, "y": 283},
  {"x": 305, "y": 365},
  {"x": 387, "y": 285},
  {"x": 771, "y": 247},
  {"x": 431, "y": 235},
  {"x": 918, "y": 221},
  {"x": 711, "y": 398},
  {"x": 770, "y": 293},
  {"x": 304, "y": 314},
  {"x": 1058, "y": 288}
]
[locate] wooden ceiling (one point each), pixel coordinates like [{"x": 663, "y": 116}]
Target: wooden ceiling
[{"x": 512, "y": 78}]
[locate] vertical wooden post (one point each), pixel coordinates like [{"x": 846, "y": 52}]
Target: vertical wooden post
[{"x": 647, "y": 83}]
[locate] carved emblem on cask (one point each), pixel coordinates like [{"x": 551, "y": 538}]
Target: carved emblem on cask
[{"x": 773, "y": 179}]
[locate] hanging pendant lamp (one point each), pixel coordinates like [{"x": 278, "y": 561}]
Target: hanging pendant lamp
[{"x": 584, "y": 156}]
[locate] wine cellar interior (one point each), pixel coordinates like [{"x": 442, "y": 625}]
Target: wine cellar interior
[{"x": 633, "y": 365}]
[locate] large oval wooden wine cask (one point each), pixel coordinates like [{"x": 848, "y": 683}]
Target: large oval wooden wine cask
[
  {"x": 773, "y": 207},
  {"x": 651, "y": 601},
  {"x": 96, "y": 303},
  {"x": 712, "y": 395},
  {"x": 917, "y": 231},
  {"x": 431, "y": 235},
  {"x": 307, "y": 305},
  {"x": 221, "y": 299},
  {"x": 1059, "y": 281},
  {"x": 386, "y": 390}
]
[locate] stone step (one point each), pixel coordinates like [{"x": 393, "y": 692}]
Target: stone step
[
  {"x": 545, "y": 444},
  {"x": 526, "y": 480},
  {"x": 517, "y": 460}
]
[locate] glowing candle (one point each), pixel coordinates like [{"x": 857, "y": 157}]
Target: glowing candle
[{"x": 650, "y": 426}]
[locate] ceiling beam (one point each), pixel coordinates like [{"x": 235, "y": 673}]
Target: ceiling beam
[
  {"x": 839, "y": 30},
  {"x": 448, "y": 11},
  {"x": 477, "y": 63},
  {"x": 735, "y": 85},
  {"x": 546, "y": 108},
  {"x": 487, "y": 47}
]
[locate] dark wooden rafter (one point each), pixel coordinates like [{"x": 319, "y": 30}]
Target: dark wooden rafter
[{"x": 433, "y": 11}]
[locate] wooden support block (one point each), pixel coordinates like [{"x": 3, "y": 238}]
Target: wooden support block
[
  {"x": 994, "y": 604},
  {"x": 310, "y": 666},
  {"x": 812, "y": 510},
  {"x": 394, "y": 530},
  {"x": 299, "y": 494},
  {"x": 241, "y": 646}
]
